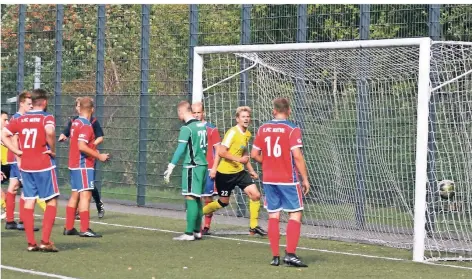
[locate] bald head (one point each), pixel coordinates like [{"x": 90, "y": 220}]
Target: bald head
[{"x": 198, "y": 111}]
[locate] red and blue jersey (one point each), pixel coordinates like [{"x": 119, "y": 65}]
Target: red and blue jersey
[
  {"x": 31, "y": 130},
  {"x": 276, "y": 139},
  {"x": 213, "y": 138},
  {"x": 81, "y": 130},
  {"x": 11, "y": 159}
]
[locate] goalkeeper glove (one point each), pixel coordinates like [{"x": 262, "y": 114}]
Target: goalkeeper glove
[{"x": 168, "y": 172}]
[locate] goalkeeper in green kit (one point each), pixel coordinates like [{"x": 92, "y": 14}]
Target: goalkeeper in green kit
[{"x": 192, "y": 143}]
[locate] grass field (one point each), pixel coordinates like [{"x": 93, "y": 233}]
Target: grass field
[{"x": 140, "y": 246}]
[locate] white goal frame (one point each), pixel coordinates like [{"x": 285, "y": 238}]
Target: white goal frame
[{"x": 424, "y": 94}]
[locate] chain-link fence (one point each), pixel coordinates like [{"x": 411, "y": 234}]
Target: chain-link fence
[{"x": 136, "y": 61}]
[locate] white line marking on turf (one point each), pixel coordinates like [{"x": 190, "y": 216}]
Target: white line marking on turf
[
  {"x": 34, "y": 272},
  {"x": 281, "y": 245}
]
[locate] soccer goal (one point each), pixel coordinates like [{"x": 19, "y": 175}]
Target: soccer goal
[{"x": 387, "y": 127}]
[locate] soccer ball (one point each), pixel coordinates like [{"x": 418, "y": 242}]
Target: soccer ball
[{"x": 446, "y": 189}]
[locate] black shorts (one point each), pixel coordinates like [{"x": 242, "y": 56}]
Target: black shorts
[
  {"x": 225, "y": 183},
  {"x": 6, "y": 171}
]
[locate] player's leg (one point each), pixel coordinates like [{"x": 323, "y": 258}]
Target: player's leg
[
  {"x": 292, "y": 202},
  {"x": 200, "y": 176},
  {"x": 71, "y": 208},
  {"x": 273, "y": 206},
  {"x": 97, "y": 199},
  {"x": 207, "y": 196},
  {"x": 48, "y": 190},
  {"x": 225, "y": 184},
  {"x": 85, "y": 196},
  {"x": 30, "y": 193},
  {"x": 4, "y": 205},
  {"x": 41, "y": 204},
  {"x": 192, "y": 205},
  {"x": 13, "y": 186},
  {"x": 246, "y": 183}
]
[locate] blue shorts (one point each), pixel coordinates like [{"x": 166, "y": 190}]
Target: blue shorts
[
  {"x": 283, "y": 197},
  {"x": 41, "y": 184},
  {"x": 15, "y": 172},
  {"x": 82, "y": 179},
  {"x": 210, "y": 187}
]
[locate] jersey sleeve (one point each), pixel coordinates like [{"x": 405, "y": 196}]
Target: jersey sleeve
[
  {"x": 229, "y": 138},
  {"x": 12, "y": 127},
  {"x": 97, "y": 129},
  {"x": 295, "y": 139},
  {"x": 85, "y": 133},
  {"x": 257, "y": 144},
  {"x": 184, "y": 134},
  {"x": 49, "y": 121},
  {"x": 215, "y": 137}
]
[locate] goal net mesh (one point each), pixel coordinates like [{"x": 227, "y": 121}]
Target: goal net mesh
[{"x": 357, "y": 110}]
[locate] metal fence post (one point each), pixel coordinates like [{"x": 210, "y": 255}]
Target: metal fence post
[
  {"x": 143, "y": 104},
  {"x": 58, "y": 66},
  {"x": 20, "y": 77},
  {"x": 193, "y": 37},
  {"x": 431, "y": 197},
  {"x": 243, "y": 90},
  {"x": 362, "y": 120},
  {"x": 301, "y": 37},
  {"x": 99, "y": 82}
]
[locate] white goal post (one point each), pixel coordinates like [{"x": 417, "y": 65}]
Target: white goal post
[{"x": 366, "y": 109}]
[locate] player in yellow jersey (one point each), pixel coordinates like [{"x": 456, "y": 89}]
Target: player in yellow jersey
[{"x": 231, "y": 173}]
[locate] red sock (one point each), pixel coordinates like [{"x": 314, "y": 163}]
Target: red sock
[
  {"x": 208, "y": 217},
  {"x": 274, "y": 235},
  {"x": 28, "y": 222},
  {"x": 48, "y": 222},
  {"x": 70, "y": 217},
  {"x": 22, "y": 208},
  {"x": 293, "y": 235},
  {"x": 10, "y": 210},
  {"x": 84, "y": 220}
]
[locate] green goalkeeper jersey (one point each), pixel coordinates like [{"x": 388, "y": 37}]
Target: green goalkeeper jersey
[{"x": 194, "y": 133}]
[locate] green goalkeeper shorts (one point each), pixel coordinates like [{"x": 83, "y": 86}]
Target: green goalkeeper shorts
[{"x": 194, "y": 180}]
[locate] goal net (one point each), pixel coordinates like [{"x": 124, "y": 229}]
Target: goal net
[{"x": 366, "y": 109}]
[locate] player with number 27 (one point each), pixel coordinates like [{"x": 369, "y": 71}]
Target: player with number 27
[{"x": 36, "y": 130}]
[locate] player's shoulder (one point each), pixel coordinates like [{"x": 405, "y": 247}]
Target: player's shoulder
[
  {"x": 16, "y": 115},
  {"x": 210, "y": 125},
  {"x": 83, "y": 121},
  {"x": 286, "y": 123}
]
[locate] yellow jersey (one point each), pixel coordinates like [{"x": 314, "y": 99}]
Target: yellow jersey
[
  {"x": 237, "y": 143},
  {"x": 4, "y": 151}
]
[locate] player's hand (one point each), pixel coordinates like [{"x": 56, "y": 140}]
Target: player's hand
[
  {"x": 254, "y": 175},
  {"x": 103, "y": 157},
  {"x": 3, "y": 176},
  {"x": 212, "y": 173},
  {"x": 243, "y": 160},
  {"x": 306, "y": 186},
  {"x": 18, "y": 152},
  {"x": 50, "y": 153},
  {"x": 168, "y": 172},
  {"x": 62, "y": 138}
]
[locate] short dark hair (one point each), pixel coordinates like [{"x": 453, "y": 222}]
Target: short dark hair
[
  {"x": 4, "y": 112},
  {"x": 38, "y": 95}
]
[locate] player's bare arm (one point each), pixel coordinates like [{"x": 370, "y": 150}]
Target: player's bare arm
[
  {"x": 224, "y": 153},
  {"x": 301, "y": 166},
  {"x": 216, "y": 161},
  {"x": 256, "y": 155},
  {"x": 51, "y": 140},
  {"x": 98, "y": 141},
  {"x": 92, "y": 153},
  {"x": 7, "y": 140}
]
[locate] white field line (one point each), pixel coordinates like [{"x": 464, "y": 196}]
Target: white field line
[
  {"x": 51, "y": 275},
  {"x": 266, "y": 243}
]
